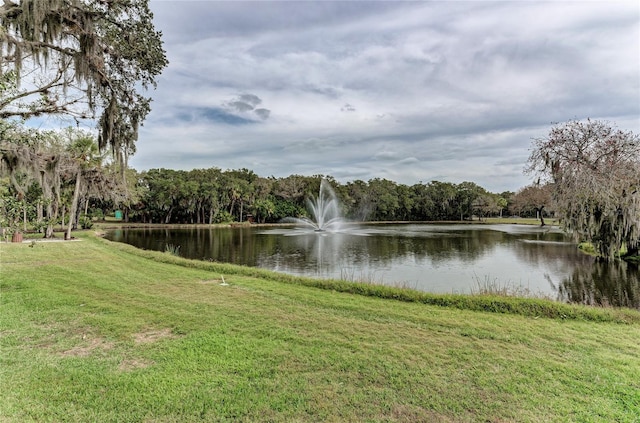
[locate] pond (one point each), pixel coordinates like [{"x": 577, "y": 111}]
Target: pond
[{"x": 438, "y": 258}]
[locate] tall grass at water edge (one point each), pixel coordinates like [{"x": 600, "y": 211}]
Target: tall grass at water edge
[
  {"x": 174, "y": 250},
  {"x": 493, "y": 286}
]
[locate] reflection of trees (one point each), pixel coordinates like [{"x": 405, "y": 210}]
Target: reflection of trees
[
  {"x": 590, "y": 282},
  {"x": 436, "y": 246},
  {"x": 241, "y": 246},
  {"x": 315, "y": 251},
  {"x": 610, "y": 284},
  {"x": 467, "y": 245},
  {"x": 232, "y": 245},
  {"x": 559, "y": 256}
]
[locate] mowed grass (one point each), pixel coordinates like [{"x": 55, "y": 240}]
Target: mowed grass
[{"x": 93, "y": 331}]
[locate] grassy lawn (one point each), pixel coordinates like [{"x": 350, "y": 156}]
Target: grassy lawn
[
  {"x": 520, "y": 220},
  {"x": 95, "y": 331}
]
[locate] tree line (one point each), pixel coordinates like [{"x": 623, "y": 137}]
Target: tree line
[
  {"x": 60, "y": 179},
  {"x": 213, "y": 196}
]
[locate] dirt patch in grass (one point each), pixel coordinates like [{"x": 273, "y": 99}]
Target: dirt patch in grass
[
  {"x": 131, "y": 364},
  {"x": 8, "y": 332},
  {"x": 88, "y": 346},
  {"x": 412, "y": 413},
  {"x": 151, "y": 336}
]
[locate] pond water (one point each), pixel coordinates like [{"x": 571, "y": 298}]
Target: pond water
[{"x": 467, "y": 258}]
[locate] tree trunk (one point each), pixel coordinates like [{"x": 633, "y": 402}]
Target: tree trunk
[
  {"x": 24, "y": 213},
  {"x": 74, "y": 205},
  {"x": 540, "y": 216},
  {"x": 48, "y": 198},
  {"x": 48, "y": 233},
  {"x": 55, "y": 209}
]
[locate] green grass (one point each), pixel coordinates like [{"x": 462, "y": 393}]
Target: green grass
[
  {"x": 96, "y": 331},
  {"x": 521, "y": 220}
]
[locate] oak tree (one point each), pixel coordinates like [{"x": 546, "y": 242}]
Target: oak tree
[
  {"x": 595, "y": 172},
  {"x": 87, "y": 59},
  {"x": 533, "y": 198}
]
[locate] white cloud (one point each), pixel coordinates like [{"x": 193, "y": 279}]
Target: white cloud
[{"x": 409, "y": 91}]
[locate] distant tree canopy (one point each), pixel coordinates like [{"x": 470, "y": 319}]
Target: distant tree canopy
[
  {"x": 80, "y": 58},
  {"x": 534, "y": 198},
  {"x": 594, "y": 172},
  {"x": 212, "y": 195}
]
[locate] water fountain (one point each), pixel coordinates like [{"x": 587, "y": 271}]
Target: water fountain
[{"x": 325, "y": 212}]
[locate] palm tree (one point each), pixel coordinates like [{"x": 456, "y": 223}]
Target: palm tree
[{"x": 83, "y": 159}]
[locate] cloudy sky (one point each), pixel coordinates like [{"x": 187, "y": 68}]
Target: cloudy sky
[{"x": 408, "y": 91}]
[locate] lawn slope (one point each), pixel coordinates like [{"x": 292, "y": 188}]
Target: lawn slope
[{"x": 95, "y": 331}]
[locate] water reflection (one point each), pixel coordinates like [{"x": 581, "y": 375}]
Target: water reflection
[
  {"x": 609, "y": 284},
  {"x": 433, "y": 258}
]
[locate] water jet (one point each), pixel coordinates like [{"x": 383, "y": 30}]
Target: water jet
[{"x": 324, "y": 210}]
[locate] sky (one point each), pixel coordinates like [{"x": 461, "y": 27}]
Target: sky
[{"x": 412, "y": 92}]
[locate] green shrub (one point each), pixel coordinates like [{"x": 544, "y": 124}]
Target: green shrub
[
  {"x": 223, "y": 217},
  {"x": 97, "y": 214},
  {"x": 86, "y": 222}
]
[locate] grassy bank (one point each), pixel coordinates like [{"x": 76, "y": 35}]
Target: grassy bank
[{"x": 94, "y": 331}]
